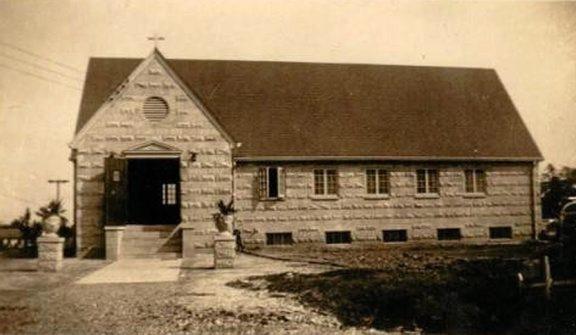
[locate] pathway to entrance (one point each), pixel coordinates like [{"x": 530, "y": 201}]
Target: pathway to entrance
[
  {"x": 135, "y": 271},
  {"x": 218, "y": 307},
  {"x": 210, "y": 290},
  {"x": 153, "y": 296}
]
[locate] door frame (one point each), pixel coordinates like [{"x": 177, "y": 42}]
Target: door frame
[
  {"x": 134, "y": 212},
  {"x": 156, "y": 150},
  {"x": 152, "y": 149}
]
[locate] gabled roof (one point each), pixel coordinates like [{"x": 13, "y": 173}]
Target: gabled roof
[{"x": 279, "y": 110}]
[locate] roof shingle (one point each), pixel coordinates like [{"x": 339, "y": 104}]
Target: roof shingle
[{"x": 278, "y": 109}]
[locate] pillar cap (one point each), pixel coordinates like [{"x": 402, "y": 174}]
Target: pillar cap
[
  {"x": 50, "y": 239},
  {"x": 114, "y": 227}
]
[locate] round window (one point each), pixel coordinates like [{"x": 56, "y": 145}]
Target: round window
[{"x": 155, "y": 109}]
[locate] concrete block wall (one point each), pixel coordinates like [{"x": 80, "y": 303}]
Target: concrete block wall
[
  {"x": 122, "y": 125},
  {"x": 507, "y": 202}
]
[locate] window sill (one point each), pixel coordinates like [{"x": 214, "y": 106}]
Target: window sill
[
  {"x": 427, "y": 196},
  {"x": 394, "y": 242},
  {"x": 474, "y": 195},
  {"x": 324, "y": 197},
  {"x": 376, "y": 196}
]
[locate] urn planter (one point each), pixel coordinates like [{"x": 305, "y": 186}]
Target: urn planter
[
  {"x": 50, "y": 225},
  {"x": 50, "y": 246}
]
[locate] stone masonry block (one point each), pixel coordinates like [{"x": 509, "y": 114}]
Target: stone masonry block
[
  {"x": 113, "y": 235},
  {"x": 224, "y": 250},
  {"x": 50, "y": 253}
]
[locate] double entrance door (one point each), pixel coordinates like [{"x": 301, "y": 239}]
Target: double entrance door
[
  {"x": 143, "y": 191},
  {"x": 153, "y": 191}
]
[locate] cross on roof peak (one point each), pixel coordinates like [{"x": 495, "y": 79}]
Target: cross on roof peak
[{"x": 156, "y": 39}]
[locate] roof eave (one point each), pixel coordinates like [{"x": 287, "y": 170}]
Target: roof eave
[{"x": 384, "y": 158}]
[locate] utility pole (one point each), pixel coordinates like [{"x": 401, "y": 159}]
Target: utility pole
[{"x": 58, "y": 182}]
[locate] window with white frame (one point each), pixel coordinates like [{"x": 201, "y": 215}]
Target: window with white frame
[
  {"x": 271, "y": 183},
  {"x": 377, "y": 181},
  {"x": 169, "y": 194},
  {"x": 475, "y": 181},
  {"x": 427, "y": 181},
  {"x": 325, "y": 182}
]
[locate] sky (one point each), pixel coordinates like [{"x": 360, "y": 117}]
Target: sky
[{"x": 45, "y": 47}]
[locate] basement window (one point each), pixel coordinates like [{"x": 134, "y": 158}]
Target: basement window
[
  {"x": 279, "y": 239},
  {"x": 497, "y": 233},
  {"x": 338, "y": 237},
  {"x": 155, "y": 109},
  {"x": 394, "y": 235},
  {"x": 449, "y": 234},
  {"x": 271, "y": 183}
]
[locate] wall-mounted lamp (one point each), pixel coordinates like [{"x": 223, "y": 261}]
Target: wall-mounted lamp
[{"x": 192, "y": 156}]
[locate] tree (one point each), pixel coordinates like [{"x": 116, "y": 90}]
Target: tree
[
  {"x": 549, "y": 172},
  {"x": 570, "y": 175},
  {"x": 29, "y": 229},
  {"x": 557, "y": 187},
  {"x": 54, "y": 207}
]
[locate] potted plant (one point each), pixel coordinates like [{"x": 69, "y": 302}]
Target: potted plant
[
  {"x": 52, "y": 218},
  {"x": 224, "y": 218}
]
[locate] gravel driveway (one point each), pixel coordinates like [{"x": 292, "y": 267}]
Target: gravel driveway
[{"x": 199, "y": 302}]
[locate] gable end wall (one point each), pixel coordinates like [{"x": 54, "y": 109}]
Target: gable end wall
[{"x": 122, "y": 125}]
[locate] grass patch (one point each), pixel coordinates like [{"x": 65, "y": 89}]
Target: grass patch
[{"x": 477, "y": 296}]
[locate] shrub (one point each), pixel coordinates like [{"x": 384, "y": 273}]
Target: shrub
[{"x": 31, "y": 230}]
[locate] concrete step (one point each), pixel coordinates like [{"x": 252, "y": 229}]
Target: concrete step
[
  {"x": 150, "y": 236},
  {"x": 143, "y": 241},
  {"x": 151, "y": 248},
  {"x": 151, "y": 240},
  {"x": 166, "y": 255},
  {"x": 150, "y": 228},
  {"x": 150, "y": 252}
]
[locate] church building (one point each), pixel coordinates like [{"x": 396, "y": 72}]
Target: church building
[{"x": 309, "y": 152}]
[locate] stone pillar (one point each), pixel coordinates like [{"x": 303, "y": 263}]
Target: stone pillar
[
  {"x": 50, "y": 253},
  {"x": 114, "y": 242},
  {"x": 224, "y": 250}
]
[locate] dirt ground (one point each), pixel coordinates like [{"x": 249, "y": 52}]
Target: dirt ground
[
  {"x": 405, "y": 257},
  {"x": 199, "y": 302},
  {"x": 448, "y": 289},
  {"x": 205, "y": 301}
]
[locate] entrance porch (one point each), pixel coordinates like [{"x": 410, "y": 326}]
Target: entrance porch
[{"x": 142, "y": 204}]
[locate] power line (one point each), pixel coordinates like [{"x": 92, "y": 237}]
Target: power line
[
  {"x": 19, "y": 198},
  {"x": 39, "y": 56},
  {"x": 38, "y": 66},
  {"x": 39, "y": 77}
]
